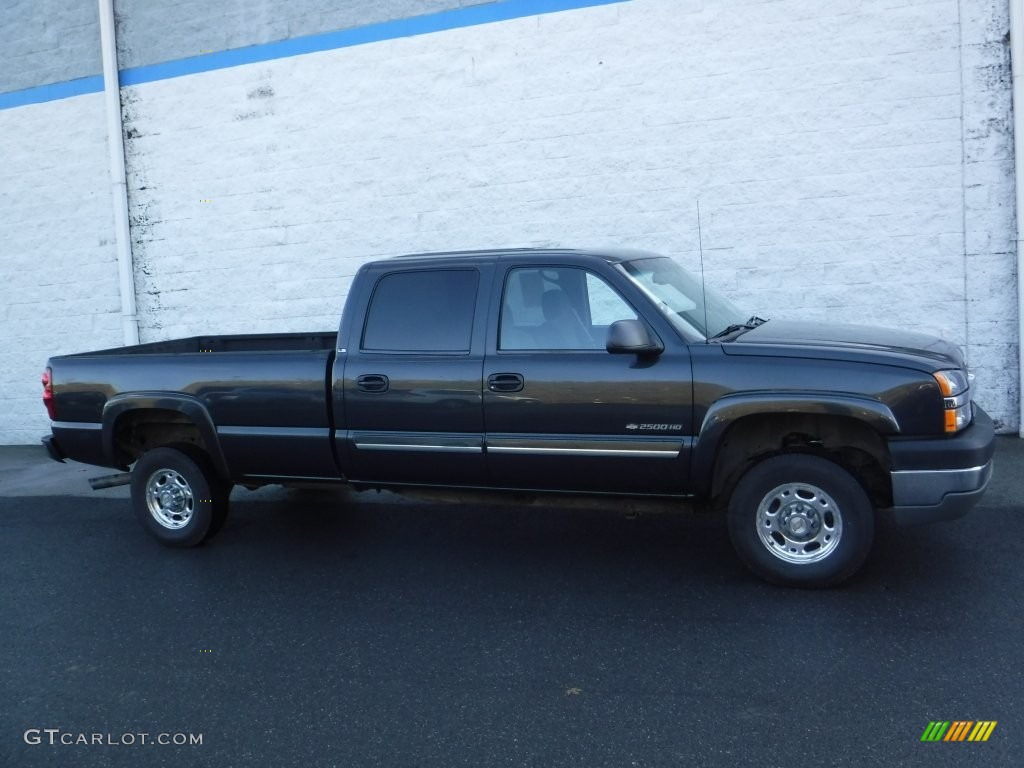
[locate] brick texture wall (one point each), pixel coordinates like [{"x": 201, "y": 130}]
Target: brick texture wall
[
  {"x": 152, "y": 31},
  {"x": 58, "y": 266},
  {"x": 47, "y": 41},
  {"x": 853, "y": 162}
]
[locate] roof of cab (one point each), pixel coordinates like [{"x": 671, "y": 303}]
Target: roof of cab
[{"x": 613, "y": 255}]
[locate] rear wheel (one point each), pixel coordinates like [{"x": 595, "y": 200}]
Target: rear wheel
[
  {"x": 177, "y": 496},
  {"x": 801, "y": 520}
]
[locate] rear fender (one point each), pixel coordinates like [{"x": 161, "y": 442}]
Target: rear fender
[{"x": 190, "y": 407}]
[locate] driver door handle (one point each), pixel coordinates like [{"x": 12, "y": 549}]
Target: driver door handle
[
  {"x": 373, "y": 382},
  {"x": 505, "y": 382}
]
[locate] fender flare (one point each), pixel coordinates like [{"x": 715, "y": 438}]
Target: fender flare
[
  {"x": 187, "y": 405},
  {"x": 726, "y": 411}
]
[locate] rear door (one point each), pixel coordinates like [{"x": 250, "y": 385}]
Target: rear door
[
  {"x": 413, "y": 406},
  {"x": 563, "y": 413}
]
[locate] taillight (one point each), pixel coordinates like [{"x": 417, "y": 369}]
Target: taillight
[{"x": 48, "y": 392}]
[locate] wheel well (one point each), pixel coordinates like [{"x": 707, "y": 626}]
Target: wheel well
[
  {"x": 141, "y": 430},
  {"x": 845, "y": 440}
]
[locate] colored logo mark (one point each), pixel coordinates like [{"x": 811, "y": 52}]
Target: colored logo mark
[{"x": 958, "y": 730}]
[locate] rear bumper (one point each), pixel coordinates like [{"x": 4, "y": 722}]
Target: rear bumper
[
  {"x": 941, "y": 479},
  {"x": 53, "y": 448}
]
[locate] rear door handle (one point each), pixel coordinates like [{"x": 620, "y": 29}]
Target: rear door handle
[
  {"x": 505, "y": 382},
  {"x": 373, "y": 382}
]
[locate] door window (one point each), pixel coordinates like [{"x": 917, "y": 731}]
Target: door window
[
  {"x": 558, "y": 308},
  {"x": 427, "y": 311}
]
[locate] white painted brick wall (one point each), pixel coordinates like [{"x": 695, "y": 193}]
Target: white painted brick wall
[
  {"x": 852, "y": 158},
  {"x": 989, "y": 242},
  {"x": 58, "y": 267},
  {"x": 839, "y": 150}
]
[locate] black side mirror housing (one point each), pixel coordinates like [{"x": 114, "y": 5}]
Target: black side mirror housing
[{"x": 630, "y": 337}]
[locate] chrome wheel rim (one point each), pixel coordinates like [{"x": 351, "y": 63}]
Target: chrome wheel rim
[
  {"x": 169, "y": 499},
  {"x": 799, "y": 523}
]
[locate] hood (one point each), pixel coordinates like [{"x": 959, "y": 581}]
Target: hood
[{"x": 852, "y": 338}]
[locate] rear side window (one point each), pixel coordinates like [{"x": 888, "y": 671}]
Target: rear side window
[{"x": 422, "y": 312}]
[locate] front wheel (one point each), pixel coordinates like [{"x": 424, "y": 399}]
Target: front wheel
[
  {"x": 801, "y": 520},
  {"x": 177, "y": 496}
]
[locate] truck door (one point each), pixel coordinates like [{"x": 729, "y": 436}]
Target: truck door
[
  {"x": 563, "y": 413},
  {"x": 412, "y": 405}
]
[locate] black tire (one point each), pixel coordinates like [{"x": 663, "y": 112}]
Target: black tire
[
  {"x": 220, "y": 514},
  {"x": 177, "y": 496},
  {"x": 220, "y": 488},
  {"x": 801, "y": 520}
]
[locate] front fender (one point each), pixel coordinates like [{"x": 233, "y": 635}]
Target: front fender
[{"x": 726, "y": 411}]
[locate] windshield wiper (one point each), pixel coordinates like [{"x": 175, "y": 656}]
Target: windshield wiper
[{"x": 751, "y": 323}]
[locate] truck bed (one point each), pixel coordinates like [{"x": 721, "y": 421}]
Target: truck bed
[
  {"x": 255, "y": 342},
  {"x": 266, "y": 397}
]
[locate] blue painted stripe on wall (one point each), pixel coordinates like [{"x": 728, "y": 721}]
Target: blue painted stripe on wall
[
  {"x": 387, "y": 30},
  {"x": 51, "y": 92},
  {"x": 471, "y": 16}
]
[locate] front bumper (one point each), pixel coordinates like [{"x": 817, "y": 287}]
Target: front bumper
[{"x": 941, "y": 479}]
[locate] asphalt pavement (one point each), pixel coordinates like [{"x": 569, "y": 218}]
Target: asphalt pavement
[{"x": 332, "y": 629}]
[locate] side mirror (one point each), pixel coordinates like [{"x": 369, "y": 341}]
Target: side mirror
[{"x": 630, "y": 337}]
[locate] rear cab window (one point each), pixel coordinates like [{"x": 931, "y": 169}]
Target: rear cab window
[{"x": 422, "y": 311}]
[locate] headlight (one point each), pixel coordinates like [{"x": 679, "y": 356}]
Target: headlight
[{"x": 956, "y": 398}]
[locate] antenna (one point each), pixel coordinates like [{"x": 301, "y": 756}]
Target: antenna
[{"x": 703, "y": 289}]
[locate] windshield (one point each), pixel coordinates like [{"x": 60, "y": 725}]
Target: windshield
[{"x": 679, "y": 295}]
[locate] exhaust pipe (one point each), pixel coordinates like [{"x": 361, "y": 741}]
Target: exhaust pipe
[{"x": 110, "y": 481}]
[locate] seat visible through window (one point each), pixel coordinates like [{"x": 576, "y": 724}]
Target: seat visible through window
[{"x": 562, "y": 327}]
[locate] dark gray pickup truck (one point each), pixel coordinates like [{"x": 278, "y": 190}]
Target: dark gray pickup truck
[{"x": 586, "y": 372}]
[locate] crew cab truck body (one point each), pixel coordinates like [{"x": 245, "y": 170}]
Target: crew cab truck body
[{"x": 588, "y": 372}]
